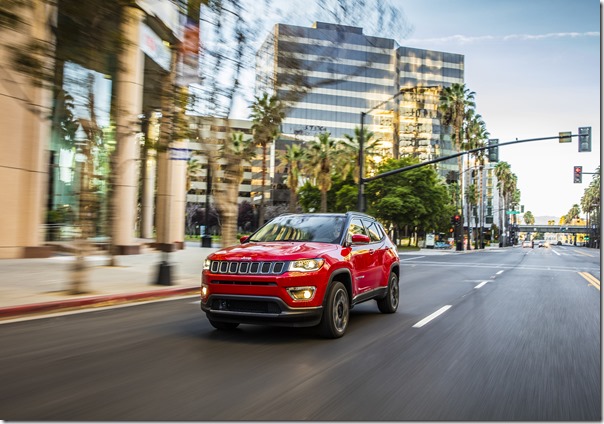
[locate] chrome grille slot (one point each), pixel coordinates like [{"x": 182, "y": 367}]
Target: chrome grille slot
[{"x": 266, "y": 268}]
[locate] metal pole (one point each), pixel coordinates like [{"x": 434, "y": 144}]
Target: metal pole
[
  {"x": 206, "y": 239},
  {"x": 361, "y": 194}
]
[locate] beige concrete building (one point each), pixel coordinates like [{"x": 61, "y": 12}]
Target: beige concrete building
[{"x": 65, "y": 144}]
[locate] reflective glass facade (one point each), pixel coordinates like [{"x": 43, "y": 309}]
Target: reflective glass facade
[{"x": 349, "y": 73}]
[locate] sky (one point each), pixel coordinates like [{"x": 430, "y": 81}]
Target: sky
[{"x": 534, "y": 66}]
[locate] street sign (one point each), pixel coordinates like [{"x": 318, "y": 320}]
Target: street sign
[
  {"x": 512, "y": 212},
  {"x": 564, "y": 137}
]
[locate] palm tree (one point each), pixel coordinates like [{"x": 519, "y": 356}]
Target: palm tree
[
  {"x": 236, "y": 151},
  {"x": 475, "y": 134},
  {"x": 292, "y": 159},
  {"x": 267, "y": 114},
  {"x": 193, "y": 169},
  {"x": 529, "y": 219},
  {"x": 455, "y": 101},
  {"x": 322, "y": 155},
  {"x": 503, "y": 174},
  {"x": 351, "y": 149},
  {"x": 573, "y": 213}
]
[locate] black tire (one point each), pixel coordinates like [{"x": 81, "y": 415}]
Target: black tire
[
  {"x": 221, "y": 325},
  {"x": 389, "y": 303},
  {"x": 336, "y": 312}
]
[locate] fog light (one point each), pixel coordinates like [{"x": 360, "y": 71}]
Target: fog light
[
  {"x": 204, "y": 291},
  {"x": 301, "y": 293}
]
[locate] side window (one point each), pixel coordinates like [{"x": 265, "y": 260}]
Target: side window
[
  {"x": 375, "y": 233},
  {"x": 356, "y": 227}
]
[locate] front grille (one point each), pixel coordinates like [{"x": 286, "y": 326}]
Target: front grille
[
  {"x": 240, "y": 305},
  {"x": 247, "y": 267}
]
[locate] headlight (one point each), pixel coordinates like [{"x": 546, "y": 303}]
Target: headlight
[
  {"x": 306, "y": 265},
  {"x": 206, "y": 264},
  {"x": 301, "y": 293}
]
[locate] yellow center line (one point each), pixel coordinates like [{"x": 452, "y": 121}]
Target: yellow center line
[
  {"x": 583, "y": 253},
  {"x": 591, "y": 279}
]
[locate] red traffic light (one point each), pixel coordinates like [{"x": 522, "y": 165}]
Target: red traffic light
[
  {"x": 456, "y": 218},
  {"x": 578, "y": 174}
]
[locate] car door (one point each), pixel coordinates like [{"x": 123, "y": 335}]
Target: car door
[
  {"x": 361, "y": 259},
  {"x": 377, "y": 250}
]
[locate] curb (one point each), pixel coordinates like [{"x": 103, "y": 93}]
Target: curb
[{"x": 94, "y": 301}]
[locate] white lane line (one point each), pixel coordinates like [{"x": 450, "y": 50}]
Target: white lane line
[
  {"x": 556, "y": 252},
  {"x": 481, "y": 284},
  {"x": 500, "y": 272},
  {"x": 431, "y": 317},
  {"x": 415, "y": 257}
]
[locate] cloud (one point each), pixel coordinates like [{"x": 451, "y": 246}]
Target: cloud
[{"x": 464, "y": 39}]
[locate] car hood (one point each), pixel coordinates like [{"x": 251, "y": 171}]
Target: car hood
[{"x": 270, "y": 251}]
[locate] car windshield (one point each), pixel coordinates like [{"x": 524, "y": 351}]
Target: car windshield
[{"x": 318, "y": 228}]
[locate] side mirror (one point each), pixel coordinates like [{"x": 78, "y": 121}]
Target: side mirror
[
  {"x": 244, "y": 239},
  {"x": 360, "y": 239}
]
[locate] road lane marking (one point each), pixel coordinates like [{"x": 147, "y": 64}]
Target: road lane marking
[
  {"x": 481, "y": 284},
  {"x": 591, "y": 279},
  {"x": 556, "y": 252},
  {"x": 431, "y": 316},
  {"x": 583, "y": 253},
  {"x": 415, "y": 257},
  {"x": 500, "y": 272}
]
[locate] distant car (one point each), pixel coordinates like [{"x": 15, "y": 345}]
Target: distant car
[
  {"x": 543, "y": 243},
  {"x": 526, "y": 243},
  {"x": 559, "y": 243},
  {"x": 302, "y": 270}
]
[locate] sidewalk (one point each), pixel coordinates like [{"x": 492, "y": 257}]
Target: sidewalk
[{"x": 31, "y": 286}]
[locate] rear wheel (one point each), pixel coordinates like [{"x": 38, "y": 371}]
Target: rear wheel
[
  {"x": 221, "y": 325},
  {"x": 389, "y": 303},
  {"x": 335, "y": 315}
]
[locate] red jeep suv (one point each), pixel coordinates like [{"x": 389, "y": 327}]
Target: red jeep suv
[{"x": 302, "y": 270}]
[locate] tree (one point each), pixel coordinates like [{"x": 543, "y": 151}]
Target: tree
[
  {"x": 351, "y": 149},
  {"x": 417, "y": 199},
  {"x": 309, "y": 197},
  {"x": 237, "y": 151},
  {"x": 475, "y": 134},
  {"x": 455, "y": 101},
  {"x": 529, "y": 219},
  {"x": 322, "y": 156},
  {"x": 292, "y": 160},
  {"x": 267, "y": 114},
  {"x": 573, "y": 214}
]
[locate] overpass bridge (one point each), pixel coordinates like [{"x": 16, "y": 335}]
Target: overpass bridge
[{"x": 560, "y": 229}]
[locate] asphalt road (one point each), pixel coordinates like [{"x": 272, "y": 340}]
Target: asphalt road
[{"x": 518, "y": 338}]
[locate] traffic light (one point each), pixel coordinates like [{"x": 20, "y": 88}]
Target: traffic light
[
  {"x": 493, "y": 150},
  {"x": 584, "y": 139},
  {"x": 578, "y": 174}
]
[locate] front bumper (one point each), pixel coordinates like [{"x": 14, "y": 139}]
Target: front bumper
[{"x": 262, "y": 310}]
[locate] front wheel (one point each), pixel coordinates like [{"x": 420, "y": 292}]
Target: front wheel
[
  {"x": 335, "y": 315},
  {"x": 389, "y": 303}
]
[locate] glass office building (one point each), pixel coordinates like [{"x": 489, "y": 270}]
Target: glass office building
[{"x": 331, "y": 73}]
